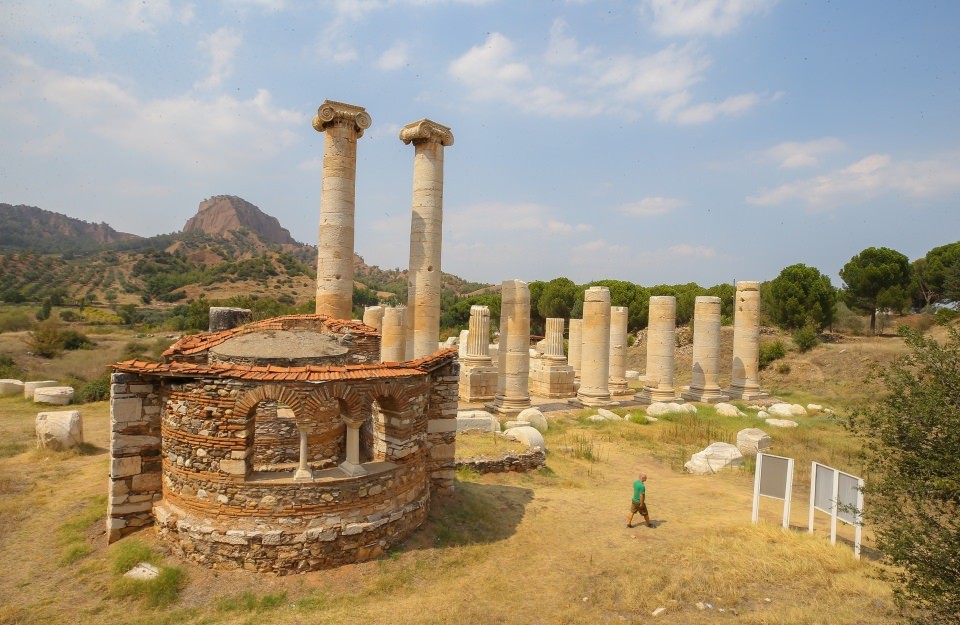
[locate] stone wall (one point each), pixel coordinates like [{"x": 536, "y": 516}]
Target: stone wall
[
  {"x": 442, "y": 426},
  {"x": 521, "y": 462},
  {"x": 135, "y": 463}
]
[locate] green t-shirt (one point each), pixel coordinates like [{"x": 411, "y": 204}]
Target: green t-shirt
[{"x": 638, "y": 490}]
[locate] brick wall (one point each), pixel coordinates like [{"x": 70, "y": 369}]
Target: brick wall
[{"x": 442, "y": 426}]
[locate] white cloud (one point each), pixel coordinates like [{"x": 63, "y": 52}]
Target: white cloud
[
  {"x": 650, "y": 206},
  {"x": 204, "y": 134},
  {"x": 870, "y": 177},
  {"x": 46, "y": 145},
  {"x": 221, "y": 46},
  {"x": 793, "y": 154},
  {"x": 692, "y": 251},
  {"x": 571, "y": 80},
  {"x": 76, "y": 26},
  {"x": 690, "y": 18},
  {"x": 393, "y": 58},
  {"x": 483, "y": 219}
]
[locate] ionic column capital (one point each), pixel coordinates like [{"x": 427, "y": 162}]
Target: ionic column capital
[
  {"x": 333, "y": 113},
  {"x": 426, "y": 130}
]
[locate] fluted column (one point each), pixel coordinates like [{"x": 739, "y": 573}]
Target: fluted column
[
  {"x": 595, "y": 353},
  {"x": 393, "y": 335},
  {"x": 426, "y": 227},
  {"x": 574, "y": 345},
  {"x": 343, "y": 125},
  {"x": 513, "y": 382},
  {"x": 706, "y": 352},
  {"x": 478, "y": 375},
  {"x": 373, "y": 317},
  {"x": 478, "y": 337},
  {"x": 554, "y": 340},
  {"x": 745, "y": 375},
  {"x": 661, "y": 345},
  {"x": 618, "y": 352}
]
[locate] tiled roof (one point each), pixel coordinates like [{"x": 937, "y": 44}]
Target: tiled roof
[
  {"x": 309, "y": 373},
  {"x": 195, "y": 343}
]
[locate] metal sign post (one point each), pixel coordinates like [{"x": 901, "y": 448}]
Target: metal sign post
[
  {"x": 840, "y": 495},
  {"x": 774, "y": 479}
]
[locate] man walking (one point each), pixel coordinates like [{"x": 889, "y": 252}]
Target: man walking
[{"x": 639, "y": 503}]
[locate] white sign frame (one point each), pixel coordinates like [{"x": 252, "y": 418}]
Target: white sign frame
[
  {"x": 787, "y": 490},
  {"x": 834, "y": 510}
]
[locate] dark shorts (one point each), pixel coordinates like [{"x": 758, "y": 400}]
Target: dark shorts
[{"x": 638, "y": 507}]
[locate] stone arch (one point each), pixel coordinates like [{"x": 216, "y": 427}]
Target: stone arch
[
  {"x": 248, "y": 401},
  {"x": 394, "y": 424},
  {"x": 352, "y": 403}
]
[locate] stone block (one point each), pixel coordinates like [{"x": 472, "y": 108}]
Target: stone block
[
  {"x": 234, "y": 467},
  {"x": 435, "y": 426},
  {"x": 609, "y": 415},
  {"x": 59, "y": 430},
  {"x": 144, "y": 389},
  {"x": 124, "y": 467},
  {"x": 753, "y": 440},
  {"x": 528, "y": 436},
  {"x": 125, "y": 409},
  {"x": 146, "y": 482},
  {"x": 781, "y": 423},
  {"x": 33, "y": 385},
  {"x": 55, "y": 395},
  {"x": 10, "y": 387},
  {"x": 535, "y": 418},
  {"x": 477, "y": 420},
  {"x": 728, "y": 410},
  {"x": 716, "y": 457},
  {"x": 130, "y": 444}
]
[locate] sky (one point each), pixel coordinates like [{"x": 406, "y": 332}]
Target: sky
[{"x": 655, "y": 141}]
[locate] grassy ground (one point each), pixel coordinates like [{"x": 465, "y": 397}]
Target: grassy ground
[{"x": 549, "y": 547}]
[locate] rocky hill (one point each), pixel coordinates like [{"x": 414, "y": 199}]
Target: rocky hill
[
  {"x": 223, "y": 214},
  {"x": 28, "y": 228}
]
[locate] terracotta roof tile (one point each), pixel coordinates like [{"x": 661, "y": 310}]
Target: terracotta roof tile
[{"x": 312, "y": 373}]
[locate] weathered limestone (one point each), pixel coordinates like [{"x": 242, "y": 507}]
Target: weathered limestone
[
  {"x": 753, "y": 440},
  {"x": 574, "y": 345},
  {"x": 716, "y": 457},
  {"x": 478, "y": 374},
  {"x": 595, "y": 352},
  {"x": 513, "y": 380},
  {"x": 745, "y": 376},
  {"x": 226, "y": 317},
  {"x": 462, "y": 341},
  {"x": 59, "y": 430},
  {"x": 706, "y": 352},
  {"x": 343, "y": 125},
  {"x": 426, "y": 228},
  {"x": 373, "y": 317},
  {"x": 55, "y": 395},
  {"x": 661, "y": 342},
  {"x": 10, "y": 387},
  {"x": 393, "y": 345},
  {"x": 618, "y": 353},
  {"x": 528, "y": 435},
  {"x": 550, "y": 375},
  {"x": 30, "y": 387}
]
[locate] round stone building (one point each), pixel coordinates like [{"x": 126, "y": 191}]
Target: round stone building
[{"x": 282, "y": 445}]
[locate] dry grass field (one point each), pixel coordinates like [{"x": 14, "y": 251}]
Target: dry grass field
[{"x": 549, "y": 547}]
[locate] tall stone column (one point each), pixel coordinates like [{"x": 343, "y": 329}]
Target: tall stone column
[
  {"x": 426, "y": 228},
  {"x": 393, "y": 345},
  {"x": 373, "y": 317},
  {"x": 574, "y": 345},
  {"x": 745, "y": 375},
  {"x": 554, "y": 340},
  {"x": 513, "y": 382},
  {"x": 618, "y": 352},
  {"x": 661, "y": 344},
  {"x": 478, "y": 375},
  {"x": 343, "y": 125},
  {"x": 595, "y": 353},
  {"x": 704, "y": 378}
]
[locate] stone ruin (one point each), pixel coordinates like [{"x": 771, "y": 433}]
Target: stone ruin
[{"x": 300, "y": 442}]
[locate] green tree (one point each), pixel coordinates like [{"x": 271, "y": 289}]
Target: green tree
[
  {"x": 933, "y": 272},
  {"x": 801, "y": 296},
  {"x": 46, "y": 340},
  {"x": 877, "y": 277},
  {"x": 557, "y": 299},
  {"x": 911, "y": 440}
]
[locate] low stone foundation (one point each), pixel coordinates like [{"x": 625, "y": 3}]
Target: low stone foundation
[
  {"x": 520, "y": 463},
  {"x": 296, "y": 548}
]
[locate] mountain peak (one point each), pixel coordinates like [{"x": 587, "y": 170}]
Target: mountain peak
[{"x": 221, "y": 214}]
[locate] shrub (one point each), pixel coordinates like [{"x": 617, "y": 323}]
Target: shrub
[
  {"x": 783, "y": 368},
  {"x": 69, "y": 316},
  {"x": 94, "y": 390},
  {"x": 45, "y": 340},
  {"x": 770, "y": 352},
  {"x": 805, "y": 338},
  {"x": 9, "y": 368},
  {"x": 15, "y": 322},
  {"x": 945, "y": 316},
  {"x": 134, "y": 350},
  {"x": 72, "y": 340}
]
